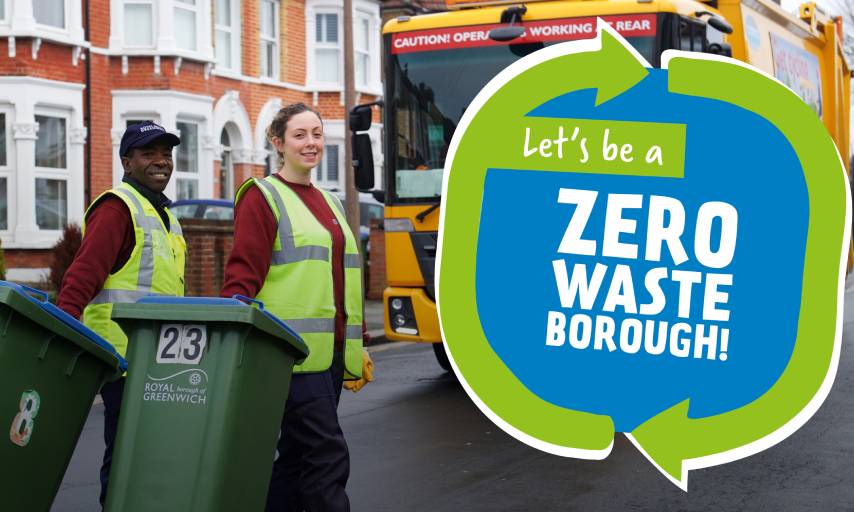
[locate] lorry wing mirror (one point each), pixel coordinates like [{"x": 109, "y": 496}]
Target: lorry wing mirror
[
  {"x": 360, "y": 119},
  {"x": 360, "y": 116},
  {"x": 720, "y": 24},
  {"x": 363, "y": 161}
]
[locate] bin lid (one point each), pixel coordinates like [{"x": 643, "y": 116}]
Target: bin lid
[
  {"x": 212, "y": 309},
  {"x": 35, "y": 305}
]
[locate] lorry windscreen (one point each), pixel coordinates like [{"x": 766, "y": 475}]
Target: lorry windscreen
[{"x": 428, "y": 91}]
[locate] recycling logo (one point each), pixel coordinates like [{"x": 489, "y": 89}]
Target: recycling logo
[{"x": 659, "y": 253}]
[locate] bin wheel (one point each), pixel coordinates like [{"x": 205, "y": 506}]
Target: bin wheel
[{"x": 442, "y": 356}]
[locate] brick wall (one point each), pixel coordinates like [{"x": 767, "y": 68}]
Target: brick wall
[
  {"x": 208, "y": 246},
  {"x": 376, "y": 270}
]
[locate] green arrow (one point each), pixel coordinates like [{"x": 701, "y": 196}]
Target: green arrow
[
  {"x": 483, "y": 137},
  {"x": 672, "y": 440}
]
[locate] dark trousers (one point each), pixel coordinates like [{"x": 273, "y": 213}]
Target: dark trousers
[
  {"x": 312, "y": 460},
  {"x": 111, "y": 394}
]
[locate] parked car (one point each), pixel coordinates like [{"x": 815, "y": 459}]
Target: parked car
[{"x": 218, "y": 209}]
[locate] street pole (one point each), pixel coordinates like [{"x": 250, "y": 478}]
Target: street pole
[{"x": 351, "y": 196}]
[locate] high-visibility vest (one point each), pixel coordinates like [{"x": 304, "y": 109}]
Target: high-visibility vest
[
  {"x": 299, "y": 289},
  {"x": 155, "y": 267}
]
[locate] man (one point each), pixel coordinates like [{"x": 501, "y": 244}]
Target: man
[{"x": 132, "y": 247}]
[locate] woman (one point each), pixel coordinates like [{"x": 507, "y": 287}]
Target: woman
[{"x": 293, "y": 251}]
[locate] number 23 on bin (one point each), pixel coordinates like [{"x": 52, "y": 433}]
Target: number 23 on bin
[{"x": 181, "y": 344}]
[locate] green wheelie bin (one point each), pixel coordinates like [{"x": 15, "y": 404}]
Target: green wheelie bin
[
  {"x": 202, "y": 404},
  {"x": 51, "y": 367}
]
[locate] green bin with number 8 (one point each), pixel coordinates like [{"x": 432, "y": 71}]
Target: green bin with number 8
[
  {"x": 51, "y": 367},
  {"x": 202, "y": 404}
]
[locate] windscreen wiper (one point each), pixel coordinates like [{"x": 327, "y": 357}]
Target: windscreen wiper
[{"x": 421, "y": 216}]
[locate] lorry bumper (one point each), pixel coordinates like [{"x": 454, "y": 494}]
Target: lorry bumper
[{"x": 410, "y": 315}]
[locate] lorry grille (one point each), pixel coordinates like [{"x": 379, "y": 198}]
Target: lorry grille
[{"x": 424, "y": 243}]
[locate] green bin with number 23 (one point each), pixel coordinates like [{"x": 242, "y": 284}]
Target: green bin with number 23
[{"x": 202, "y": 404}]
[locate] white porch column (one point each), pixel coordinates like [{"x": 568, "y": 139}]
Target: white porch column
[
  {"x": 25, "y": 135},
  {"x": 76, "y": 177}
]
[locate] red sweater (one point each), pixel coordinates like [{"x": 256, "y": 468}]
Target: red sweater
[
  {"x": 108, "y": 244},
  {"x": 255, "y": 229}
]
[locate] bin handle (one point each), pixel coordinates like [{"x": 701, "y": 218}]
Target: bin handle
[
  {"x": 244, "y": 298},
  {"x": 38, "y": 293}
]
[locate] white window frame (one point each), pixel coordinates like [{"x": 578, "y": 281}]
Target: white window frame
[
  {"x": 66, "y": 4},
  {"x": 235, "y": 31},
  {"x": 4, "y": 5},
  {"x": 154, "y": 17},
  {"x": 318, "y": 46},
  {"x": 277, "y": 15},
  {"x": 179, "y": 174},
  {"x": 359, "y": 17},
  {"x": 365, "y": 8},
  {"x": 194, "y": 8},
  {"x": 53, "y": 173},
  {"x": 322, "y": 180},
  {"x": 6, "y": 170}
]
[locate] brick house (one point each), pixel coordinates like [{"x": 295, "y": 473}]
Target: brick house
[{"x": 74, "y": 73}]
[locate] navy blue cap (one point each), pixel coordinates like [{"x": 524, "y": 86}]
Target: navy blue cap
[{"x": 142, "y": 134}]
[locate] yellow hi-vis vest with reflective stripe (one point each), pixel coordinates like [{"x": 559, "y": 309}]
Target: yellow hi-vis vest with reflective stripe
[
  {"x": 155, "y": 267},
  {"x": 299, "y": 289}
]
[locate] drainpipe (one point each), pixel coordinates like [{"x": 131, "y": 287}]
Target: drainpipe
[{"x": 87, "y": 117}]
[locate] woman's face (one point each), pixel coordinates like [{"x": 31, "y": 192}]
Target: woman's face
[{"x": 302, "y": 145}]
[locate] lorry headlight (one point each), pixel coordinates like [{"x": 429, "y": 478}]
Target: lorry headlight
[
  {"x": 398, "y": 225},
  {"x": 396, "y": 304},
  {"x": 399, "y": 320}
]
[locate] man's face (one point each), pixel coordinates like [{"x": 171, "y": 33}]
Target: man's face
[{"x": 150, "y": 165}]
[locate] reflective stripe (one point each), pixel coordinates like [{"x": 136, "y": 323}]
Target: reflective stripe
[
  {"x": 120, "y": 296},
  {"x": 309, "y": 252},
  {"x": 312, "y": 325},
  {"x": 338, "y": 204},
  {"x": 352, "y": 261},
  {"x": 145, "y": 277},
  {"x": 290, "y": 253},
  {"x": 175, "y": 227},
  {"x": 140, "y": 213},
  {"x": 353, "y": 332}
]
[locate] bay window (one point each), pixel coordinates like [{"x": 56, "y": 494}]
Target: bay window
[
  {"x": 139, "y": 23},
  {"x": 362, "y": 49},
  {"x": 227, "y": 27},
  {"x": 51, "y": 172},
  {"x": 270, "y": 39},
  {"x": 49, "y": 12},
  {"x": 326, "y": 174},
  {"x": 186, "y": 16},
  {"x": 187, "y": 161},
  {"x": 327, "y": 48}
]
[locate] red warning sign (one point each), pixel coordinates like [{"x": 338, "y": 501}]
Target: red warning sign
[{"x": 566, "y": 29}]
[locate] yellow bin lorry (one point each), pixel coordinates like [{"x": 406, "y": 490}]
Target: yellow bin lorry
[{"x": 436, "y": 63}]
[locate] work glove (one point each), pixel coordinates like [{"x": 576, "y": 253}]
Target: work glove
[{"x": 367, "y": 374}]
